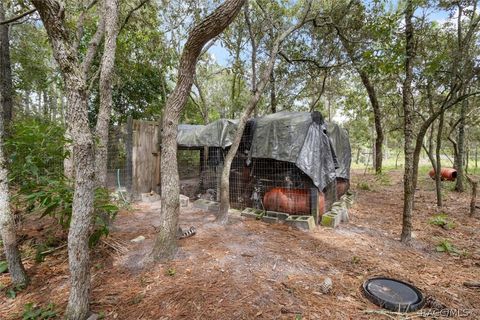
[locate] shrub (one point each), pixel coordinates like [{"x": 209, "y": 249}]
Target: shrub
[
  {"x": 363, "y": 185},
  {"x": 383, "y": 179},
  {"x": 36, "y": 153},
  {"x": 442, "y": 220},
  {"x": 56, "y": 200},
  {"x": 33, "y": 312},
  {"x": 446, "y": 246}
]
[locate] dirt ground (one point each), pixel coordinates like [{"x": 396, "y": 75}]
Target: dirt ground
[{"x": 253, "y": 270}]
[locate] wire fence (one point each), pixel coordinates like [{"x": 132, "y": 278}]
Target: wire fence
[{"x": 260, "y": 183}]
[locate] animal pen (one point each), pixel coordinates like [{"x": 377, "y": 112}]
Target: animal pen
[{"x": 291, "y": 162}]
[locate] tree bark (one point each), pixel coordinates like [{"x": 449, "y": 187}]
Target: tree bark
[
  {"x": 459, "y": 184},
  {"x": 377, "y": 116},
  {"x": 408, "y": 177},
  {"x": 106, "y": 75},
  {"x": 52, "y": 15},
  {"x": 222, "y": 216},
  {"x": 253, "y": 44},
  {"x": 166, "y": 244},
  {"x": 7, "y": 224},
  {"x": 372, "y": 96},
  {"x": 6, "y": 83},
  {"x": 273, "y": 94},
  {"x": 438, "y": 166},
  {"x": 82, "y": 207}
]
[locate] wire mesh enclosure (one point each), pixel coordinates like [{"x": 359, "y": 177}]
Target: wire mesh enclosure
[
  {"x": 266, "y": 183},
  {"x": 118, "y": 174}
]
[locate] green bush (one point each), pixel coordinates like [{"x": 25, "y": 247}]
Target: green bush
[
  {"x": 33, "y": 312},
  {"x": 383, "y": 179},
  {"x": 446, "y": 246},
  {"x": 36, "y": 152},
  {"x": 363, "y": 185},
  {"x": 56, "y": 200},
  {"x": 442, "y": 220}
]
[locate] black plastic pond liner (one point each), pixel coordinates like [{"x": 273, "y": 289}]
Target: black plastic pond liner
[{"x": 393, "y": 295}]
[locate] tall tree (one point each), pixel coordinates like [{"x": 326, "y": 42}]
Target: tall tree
[
  {"x": 6, "y": 82},
  {"x": 65, "y": 44},
  {"x": 7, "y": 222},
  {"x": 407, "y": 99},
  {"x": 209, "y": 28},
  {"x": 106, "y": 74}
]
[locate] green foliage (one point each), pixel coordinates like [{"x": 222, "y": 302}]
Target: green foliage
[
  {"x": 36, "y": 151},
  {"x": 364, "y": 185},
  {"x": 383, "y": 179},
  {"x": 53, "y": 199},
  {"x": 56, "y": 200},
  {"x": 3, "y": 266},
  {"x": 446, "y": 246},
  {"x": 11, "y": 291},
  {"x": 105, "y": 213},
  {"x": 442, "y": 220},
  {"x": 33, "y": 312},
  {"x": 171, "y": 272}
]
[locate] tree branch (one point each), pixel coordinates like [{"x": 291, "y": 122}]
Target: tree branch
[
  {"x": 130, "y": 13},
  {"x": 20, "y": 16},
  {"x": 80, "y": 22},
  {"x": 307, "y": 60}
]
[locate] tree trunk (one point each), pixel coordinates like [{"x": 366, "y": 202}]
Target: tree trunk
[
  {"x": 166, "y": 244},
  {"x": 379, "y": 136},
  {"x": 106, "y": 75},
  {"x": 408, "y": 182},
  {"x": 473, "y": 199},
  {"x": 273, "y": 94},
  {"x": 372, "y": 96},
  {"x": 52, "y": 15},
  {"x": 222, "y": 216},
  {"x": 438, "y": 166},
  {"x": 7, "y": 224},
  {"x": 6, "y": 83},
  {"x": 254, "y": 49},
  {"x": 82, "y": 207},
  {"x": 459, "y": 184},
  {"x": 68, "y": 167}
]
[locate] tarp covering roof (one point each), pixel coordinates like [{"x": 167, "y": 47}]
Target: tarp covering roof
[
  {"x": 296, "y": 137},
  {"x": 341, "y": 146},
  {"x": 219, "y": 133}
]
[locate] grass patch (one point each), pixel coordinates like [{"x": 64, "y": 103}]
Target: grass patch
[
  {"x": 383, "y": 179},
  {"x": 34, "y": 312},
  {"x": 442, "y": 220},
  {"x": 446, "y": 246},
  {"x": 364, "y": 185}
]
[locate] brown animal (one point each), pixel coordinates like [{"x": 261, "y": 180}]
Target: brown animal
[
  {"x": 447, "y": 174},
  {"x": 291, "y": 201}
]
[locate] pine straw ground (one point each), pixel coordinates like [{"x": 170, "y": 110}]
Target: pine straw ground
[{"x": 251, "y": 270}]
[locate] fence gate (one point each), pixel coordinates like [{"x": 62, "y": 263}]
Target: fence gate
[{"x": 145, "y": 157}]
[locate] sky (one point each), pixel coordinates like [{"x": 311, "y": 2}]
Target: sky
[{"x": 221, "y": 55}]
